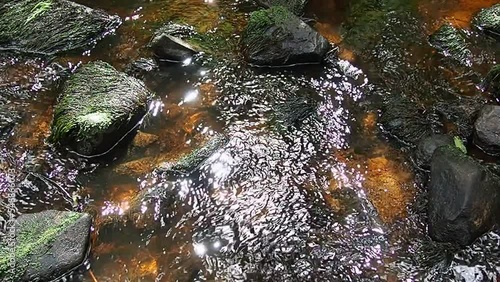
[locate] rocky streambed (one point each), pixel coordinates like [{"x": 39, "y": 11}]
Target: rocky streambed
[{"x": 249, "y": 140}]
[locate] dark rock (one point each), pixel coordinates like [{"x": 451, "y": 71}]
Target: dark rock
[
  {"x": 487, "y": 130},
  {"x": 464, "y": 197},
  {"x": 405, "y": 120},
  {"x": 488, "y": 21},
  {"x": 295, "y": 6},
  {"x": 458, "y": 115},
  {"x": 276, "y": 37},
  {"x": 168, "y": 44},
  {"x": 492, "y": 81},
  {"x": 427, "y": 146},
  {"x": 98, "y": 106},
  {"x": 452, "y": 42},
  {"x": 52, "y": 26},
  {"x": 8, "y": 118},
  {"x": 141, "y": 67},
  {"x": 49, "y": 244}
]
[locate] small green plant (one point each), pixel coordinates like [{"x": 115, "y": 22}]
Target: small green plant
[
  {"x": 40, "y": 8},
  {"x": 459, "y": 144}
]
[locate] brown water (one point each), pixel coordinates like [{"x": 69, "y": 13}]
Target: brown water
[{"x": 332, "y": 200}]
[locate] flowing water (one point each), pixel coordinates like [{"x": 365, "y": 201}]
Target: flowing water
[{"x": 324, "y": 198}]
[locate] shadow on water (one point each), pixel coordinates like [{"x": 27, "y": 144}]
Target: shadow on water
[{"x": 306, "y": 187}]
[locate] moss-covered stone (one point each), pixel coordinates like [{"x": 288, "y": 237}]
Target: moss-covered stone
[
  {"x": 488, "y": 21},
  {"x": 51, "y": 26},
  {"x": 47, "y": 245},
  {"x": 452, "y": 42},
  {"x": 97, "y": 107},
  {"x": 275, "y": 36}
]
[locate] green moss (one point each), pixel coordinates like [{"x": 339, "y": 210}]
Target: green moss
[
  {"x": 33, "y": 239},
  {"x": 94, "y": 99},
  {"x": 51, "y": 26},
  {"x": 452, "y": 42},
  {"x": 295, "y": 6},
  {"x": 459, "y": 144},
  {"x": 218, "y": 42},
  {"x": 488, "y": 20},
  {"x": 492, "y": 81}
]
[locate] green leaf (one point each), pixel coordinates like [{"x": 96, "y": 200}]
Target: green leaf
[{"x": 459, "y": 144}]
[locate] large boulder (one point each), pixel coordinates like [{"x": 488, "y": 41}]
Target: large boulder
[
  {"x": 452, "y": 42},
  {"x": 487, "y": 130},
  {"x": 427, "y": 146},
  {"x": 464, "y": 197},
  {"x": 488, "y": 21},
  {"x": 48, "y": 245},
  {"x": 276, "y": 37},
  {"x": 98, "y": 107},
  {"x": 51, "y": 26},
  {"x": 295, "y": 6}
]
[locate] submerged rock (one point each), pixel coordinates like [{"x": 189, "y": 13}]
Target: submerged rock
[
  {"x": 405, "y": 120},
  {"x": 295, "y": 6},
  {"x": 194, "y": 159},
  {"x": 451, "y": 42},
  {"x": 168, "y": 44},
  {"x": 51, "y": 26},
  {"x": 464, "y": 197},
  {"x": 49, "y": 244},
  {"x": 492, "y": 81},
  {"x": 8, "y": 118},
  {"x": 427, "y": 146},
  {"x": 277, "y": 37},
  {"x": 141, "y": 67},
  {"x": 487, "y": 130},
  {"x": 488, "y": 21},
  {"x": 98, "y": 106}
]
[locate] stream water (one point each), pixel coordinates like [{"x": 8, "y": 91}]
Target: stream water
[{"x": 330, "y": 200}]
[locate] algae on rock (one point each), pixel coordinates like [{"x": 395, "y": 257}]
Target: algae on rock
[
  {"x": 98, "y": 106},
  {"x": 49, "y": 244},
  {"x": 295, "y": 6},
  {"x": 49, "y": 27},
  {"x": 275, "y": 36},
  {"x": 452, "y": 42},
  {"x": 488, "y": 21}
]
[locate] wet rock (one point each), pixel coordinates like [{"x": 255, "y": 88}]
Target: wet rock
[
  {"x": 8, "y": 118},
  {"x": 98, "y": 106},
  {"x": 487, "y": 130},
  {"x": 51, "y": 26},
  {"x": 295, "y": 6},
  {"x": 276, "y": 37},
  {"x": 167, "y": 43},
  {"x": 294, "y": 111},
  {"x": 491, "y": 82},
  {"x": 488, "y": 21},
  {"x": 464, "y": 197},
  {"x": 141, "y": 67},
  {"x": 452, "y": 42},
  {"x": 49, "y": 244},
  {"x": 427, "y": 146},
  {"x": 457, "y": 116},
  {"x": 143, "y": 140},
  {"x": 194, "y": 159},
  {"x": 405, "y": 120}
]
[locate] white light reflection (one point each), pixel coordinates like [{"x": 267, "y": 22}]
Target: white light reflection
[
  {"x": 155, "y": 107},
  {"x": 187, "y": 62},
  {"x": 190, "y": 96},
  {"x": 200, "y": 249}
]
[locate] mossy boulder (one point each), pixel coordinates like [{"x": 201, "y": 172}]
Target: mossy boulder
[
  {"x": 51, "y": 26},
  {"x": 452, "y": 42},
  {"x": 295, "y": 6},
  {"x": 491, "y": 83},
  {"x": 48, "y": 245},
  {"x": 464, "y": 197},
  {"x": 141, "y": 67},
  {"x": 98, "y": 107},
  {"x": 276, "y": 37},
  {"x": 426, "y": 147},
  {"x": 488, "y": 21}
]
